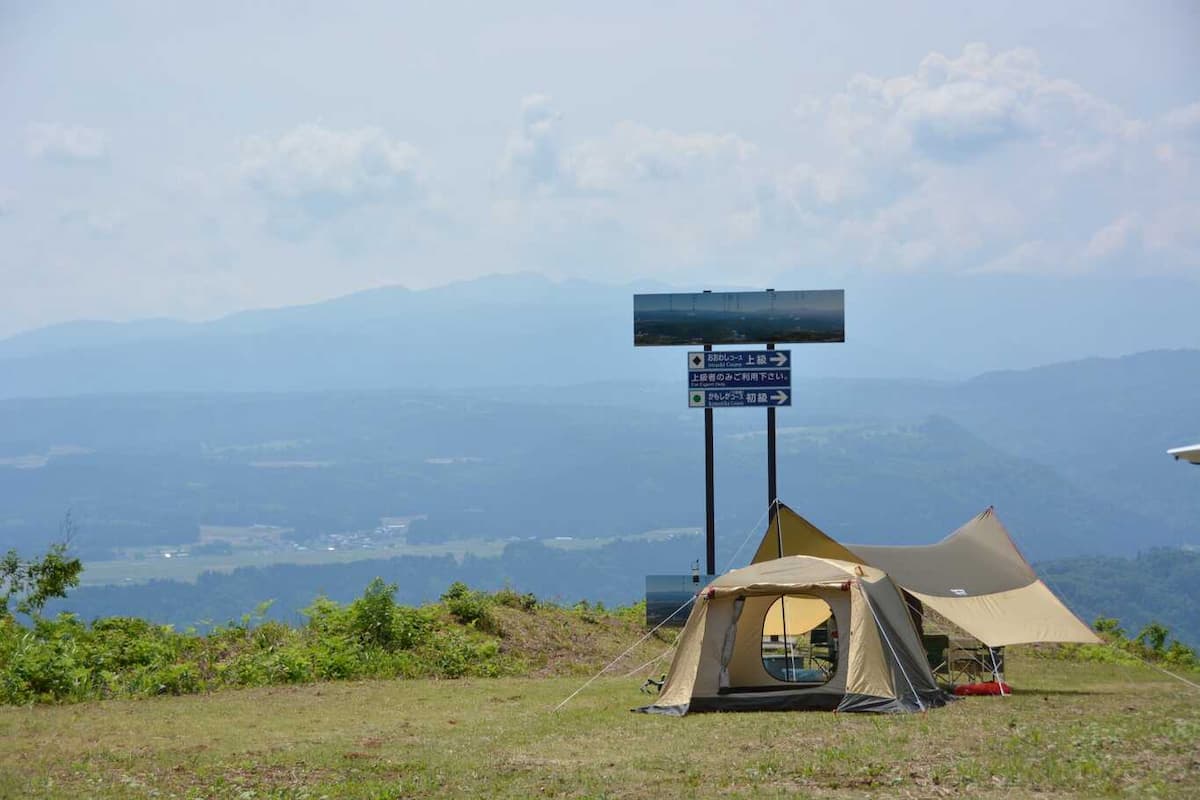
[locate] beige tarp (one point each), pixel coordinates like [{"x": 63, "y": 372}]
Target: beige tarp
[{"x": 975, "y": 577}]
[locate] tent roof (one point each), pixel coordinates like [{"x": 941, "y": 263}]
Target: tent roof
[{"x": 790, "y": 573}]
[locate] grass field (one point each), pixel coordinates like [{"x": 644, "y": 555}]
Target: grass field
[{"x": 1072, "y": 730}]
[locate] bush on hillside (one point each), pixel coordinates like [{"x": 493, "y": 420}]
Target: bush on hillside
[
  {"x": 511, "y": 598},
  {"x": 1153, "y": 644},
  {"x": 64, "y": 660},
  {"x": 470, "y": 607}
]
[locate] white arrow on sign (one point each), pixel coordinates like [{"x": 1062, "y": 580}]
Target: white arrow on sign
[
  {"x": 779, "y": 398},
  {"x": 779, "y": 359}
]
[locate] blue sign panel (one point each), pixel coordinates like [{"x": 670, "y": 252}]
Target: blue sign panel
[
  {"x": 739, "y": 359},
  {"x": 741, "y": 379},
  {"x": 733, "y": 378},
  {"x": 734, "y": 398}
]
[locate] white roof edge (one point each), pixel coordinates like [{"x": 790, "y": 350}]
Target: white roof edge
[{"x": 1190, "y": 453}]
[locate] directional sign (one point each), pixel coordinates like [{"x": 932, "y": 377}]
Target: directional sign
[
  {"x": 730, "y": 398},
  {"x": 741, "y": 379},
  {"x": 733, "y": 378},
  {"x": 739, "y": 359}
]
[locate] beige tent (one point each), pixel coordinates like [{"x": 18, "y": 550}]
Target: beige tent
[
  {"x": 975, "y": 577},
  {"x": 745, "y": 646}
]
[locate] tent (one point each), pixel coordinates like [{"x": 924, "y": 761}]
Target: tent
[
  {"x": 975, "y": 577},
  {"x": 741, "y": 647}
]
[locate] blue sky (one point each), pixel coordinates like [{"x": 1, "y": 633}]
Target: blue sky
[{"x": 194, "y": 160}]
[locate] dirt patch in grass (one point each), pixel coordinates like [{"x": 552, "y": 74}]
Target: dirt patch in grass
[{"x": 555, "y": 641}]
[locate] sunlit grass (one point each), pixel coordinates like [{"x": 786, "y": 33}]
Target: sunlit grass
[{"x": 1071, "y": 730}]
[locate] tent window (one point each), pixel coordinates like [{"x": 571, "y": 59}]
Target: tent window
[{"x": 800, "y": 640}]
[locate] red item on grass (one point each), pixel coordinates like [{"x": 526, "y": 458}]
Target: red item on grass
[{"x": 980, "y": 689}]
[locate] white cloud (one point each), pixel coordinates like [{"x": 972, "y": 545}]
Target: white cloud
[
  {"x": 984, "y": 161},
  {"x": 1114, "y": 239},
  {"x": 98, "y": 224},
  {"x": 634, "y": 153},
  {"x": 1184, "y": 120},
  {"x": 629, "y": 154},
  {"x": 623, "y": 197},
  {"x": 963, "y": 107},
  {"x": 531, "y": 153},
  {"x": 323, "y": 171},
  {"x": 65, "y": 143}
]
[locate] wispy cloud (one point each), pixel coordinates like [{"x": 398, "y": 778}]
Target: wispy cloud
[
  {"x": 325, "y": 171},
  {"x": 65, "y": 143}
]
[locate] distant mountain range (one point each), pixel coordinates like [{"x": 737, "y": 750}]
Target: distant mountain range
[
  {"x": 149, "y": 429},
  {"x": 1073, "y": 457},
  {"x": 524, "y": 330},
  {"x": 514, "y": 406}
]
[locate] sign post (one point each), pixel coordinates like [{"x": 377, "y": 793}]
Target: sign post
[
  {"x": 710, "y": 502},
  {"x": 738, "y": 378},
  {"x": 771, "y": 493}
]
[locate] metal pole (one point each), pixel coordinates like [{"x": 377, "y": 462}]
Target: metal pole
[
  {"x": 772, "y": 493},
  {"x": 710, "y": 503}
]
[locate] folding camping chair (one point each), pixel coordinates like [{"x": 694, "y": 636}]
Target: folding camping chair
[
  {"x": 965, "y": 660},
  {"x": 937, "y": 646}
]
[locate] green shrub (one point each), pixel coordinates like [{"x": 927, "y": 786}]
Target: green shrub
[
  {"x": 293, "y": 664},
  {"x": 470, "y": 607},
  {"x": 587, "y": 613},
  {"x": 372, "y": 616},
  {"x": 174, "y": 679},
  {"x": 62, "y": 659},
  {"x": 413, "y": 626},
  {"x": 512, "y": 599},
  {"x": 336, "y": 659},
  {"x": 1150, "y": 645},
  {"x": 44, "y": 666}
]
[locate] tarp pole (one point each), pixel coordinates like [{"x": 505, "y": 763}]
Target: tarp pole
[{"x": 996, "y": 670}]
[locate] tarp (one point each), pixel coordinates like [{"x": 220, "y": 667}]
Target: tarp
[{"x": 975, "y": 577}]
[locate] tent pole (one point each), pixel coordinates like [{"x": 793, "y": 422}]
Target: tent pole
[{"x": 791, "y": 655}]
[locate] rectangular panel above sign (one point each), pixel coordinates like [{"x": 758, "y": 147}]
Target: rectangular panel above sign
[{"x": 739, "y": 317}]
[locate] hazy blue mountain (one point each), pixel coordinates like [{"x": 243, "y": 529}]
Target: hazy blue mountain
[
  {"x": 521, "y": 330},
  {"x": 870, "y": 460},
  {"x": 1160, "y": 585},
  {"x": 89, "y": 333}
]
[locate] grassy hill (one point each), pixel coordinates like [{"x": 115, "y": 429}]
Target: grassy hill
[
  {"x": 460, "y": 699},
  {"x": 1071, "y": 730}
]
